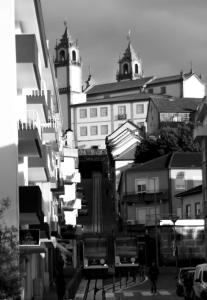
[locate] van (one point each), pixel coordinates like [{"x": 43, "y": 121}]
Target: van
[{"x": 200, "y": 282}]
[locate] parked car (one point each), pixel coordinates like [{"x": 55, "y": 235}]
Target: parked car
[
  {"x": 180, "y": 280},
  {"x": 200, "y": 282}
]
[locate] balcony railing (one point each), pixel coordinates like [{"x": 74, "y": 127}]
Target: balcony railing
[
  {"x": 122, "y": 116},
  {"x": 148, "y": 196}
]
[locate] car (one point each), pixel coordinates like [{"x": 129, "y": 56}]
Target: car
[
  {"x": 180, "y": 280},
  {"x": 200, "y": 282}
]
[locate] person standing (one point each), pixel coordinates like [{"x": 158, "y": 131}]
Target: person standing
[{"x": 153, "y": 276}]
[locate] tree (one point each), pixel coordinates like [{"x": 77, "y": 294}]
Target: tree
[
  {"x": 168, "y": 139},
  {"x": 9, "y": 257}
]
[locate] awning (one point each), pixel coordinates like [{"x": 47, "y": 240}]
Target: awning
[{"x": 32, "y": 249}]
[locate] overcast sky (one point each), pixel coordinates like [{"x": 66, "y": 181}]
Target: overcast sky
[{"x": 168, "y": 34}]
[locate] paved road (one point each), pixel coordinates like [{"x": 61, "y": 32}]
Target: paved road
[{"x": 131, "y": 290}]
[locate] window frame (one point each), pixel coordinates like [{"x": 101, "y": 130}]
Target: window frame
[
  {"x": 139, "y": 112},
  {"x": 81, "y": 128},
  {"x": 91, "y": 130},
  {"x": 104, "y": 126},
  {"x": 102, "y": 109},
  {"x": 93, "y": 109},
  {"x": 83, "y": 116}
]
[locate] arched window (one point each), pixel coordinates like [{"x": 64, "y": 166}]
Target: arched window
[
  {"x": 136, "y": 68},
  {"x": 62, "y": 55},
  {"x": 73, "y": 55},
  {"x": 125, "y": 69}
]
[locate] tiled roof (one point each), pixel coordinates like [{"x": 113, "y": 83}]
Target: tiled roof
[
  {"x": 129, "y": 154},
  {"x": 185, "y": 160},
  {"x": 166, "y": 104},
  {"x": 166, "y": 79},
  {"x": 192, "y": 191},
  {"x": 159, "y": 163},
  {"x": 124, "y": 98},
  {"x": 118, "y": 86}
]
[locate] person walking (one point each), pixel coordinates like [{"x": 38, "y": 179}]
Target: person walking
[{"x": 153, "y": 276}]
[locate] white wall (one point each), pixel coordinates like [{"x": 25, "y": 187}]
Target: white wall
[
  {"x": 8, "y": 120},
  {"x": 192, "y": 87}
]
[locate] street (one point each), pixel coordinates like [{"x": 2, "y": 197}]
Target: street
[{"x": 130, "y": 290}]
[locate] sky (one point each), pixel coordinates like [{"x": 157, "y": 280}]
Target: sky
[{"x": 169, "y": 35}]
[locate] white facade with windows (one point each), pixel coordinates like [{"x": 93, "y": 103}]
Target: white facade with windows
[{"x": 92, "y": 123}]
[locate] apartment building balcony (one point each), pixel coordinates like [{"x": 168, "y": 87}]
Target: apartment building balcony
[
  {"x": 75, "y": 177},
  {"x": 200, "y": 132},
  {"x": 49, "y": 132},
  {"x": 38, "y": 169},
  {"x": 122, "y": 116},
  {"x": 29, "y": 142},
  {"x": 70, "y": 152},
  {"x": 37, "y": 102},
  {"x": 28, "y": 74},
  {"x": 30, "y": 205},
  {"x": 148, "y": 196}
]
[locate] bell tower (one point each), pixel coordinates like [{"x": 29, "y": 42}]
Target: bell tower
[
  {"x": 68, "y": 69},
  {"x": 130, "y": 64}
]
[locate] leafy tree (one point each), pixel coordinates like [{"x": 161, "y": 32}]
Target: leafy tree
[
  {"x": 168, "y": 139},
  {"x": 9, "y": 257}
]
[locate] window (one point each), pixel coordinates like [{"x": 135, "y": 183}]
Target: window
[
  {"x": 125, "y": 69},
  {"x": 73, "y": 55},
  {"x": 122, "y": 110},
  {"x": 83, "y": 131},
  {"x": 83, "y": 113},
  {"x": 150, "y": 91},
  {"x": 104, "y": 111},
  {"x": 62, "y": 55},
  {"x": 188, "y": 211},
  {"x": 141, "y": 186},
  {"x": 136, "y": 68},
  {"x": 104, "y": 129},
  {"x": 93, "y": 112},
  {"x": 197, "y": 210},
  {"x": 180, "y": 181},
  {"x": 163, "y": 90},
  {"x": 139, "y": 108},
  {"x": 94, "y": 130}
]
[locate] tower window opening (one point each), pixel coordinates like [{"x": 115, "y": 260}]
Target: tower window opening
[
  {"x": 136, "y": 68},
  {"x": 62, "y": 55},
  {"x": 125, "y": 69},
  {"x": 73, "y": 55}
]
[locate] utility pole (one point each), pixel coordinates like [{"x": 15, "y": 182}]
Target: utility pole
[{"x": 156, "y": 231}]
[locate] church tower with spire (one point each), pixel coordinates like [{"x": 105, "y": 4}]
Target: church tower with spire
[
  {"x": 68, "y": 68},
  {"x": 130, "y": 64}
]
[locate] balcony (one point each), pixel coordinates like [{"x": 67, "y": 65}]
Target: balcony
[
  {"x": 28, "y": 74},
  {"x": 38, "y": 168},
  {"x": 49, "y": 132},
  {"x": 134, "y": 197},
  {"x": 30, "y": 205},
  {"x": 37, "y": 103},
  {"x": 70, "y": 152},
  {"x": 200, "y": 132},
  {"x": 121, "y": 116},
  {"x": 73, "y": 178},
  {"x": 29, "y": 143}
]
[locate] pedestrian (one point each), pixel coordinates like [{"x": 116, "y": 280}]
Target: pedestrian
[
  {"x": 60, "y": 285},
  {"x": 141, "y": 272},
  {"x": 153, "y": 276},
  {"x": 188, "y": 285}
]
